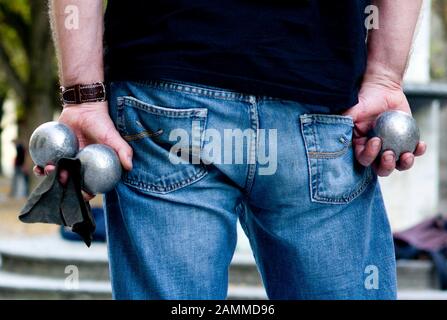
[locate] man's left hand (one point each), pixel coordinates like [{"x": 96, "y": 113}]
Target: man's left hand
[{"x": 375, "y": 97}]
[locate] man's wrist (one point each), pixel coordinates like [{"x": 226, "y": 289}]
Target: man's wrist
[
  {"x": 83, "y": 93},
  {"x": 382, "y": 74},
  {"x": 95, "y": 106},
  {"x": 90, "y": 71}
]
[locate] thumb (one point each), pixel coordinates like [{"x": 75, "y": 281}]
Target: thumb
[
  {"x": 352, "y": 112},
  {"x": 121, "y": 147}
]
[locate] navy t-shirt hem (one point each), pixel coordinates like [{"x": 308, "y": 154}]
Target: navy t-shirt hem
[{"x": 336, "y": 102}]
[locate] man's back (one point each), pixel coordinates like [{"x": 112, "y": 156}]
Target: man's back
[{"x": 310, "y": 51}]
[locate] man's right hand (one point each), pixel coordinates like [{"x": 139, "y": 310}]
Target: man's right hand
[{"x": 92, "y": 124}]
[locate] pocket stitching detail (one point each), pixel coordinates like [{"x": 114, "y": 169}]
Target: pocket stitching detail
[
  {"x": 344, "y": 200},
  {"x": 158, "y": 110},
  {"x": 313, "y": 185},
  {"x": 190, "y": 114},
  {"x": 327, "y": 118},
  {"x": 143, "y": 134},
  {"x": 330, "y": 155},
  {"x": 172, "y": 187}
]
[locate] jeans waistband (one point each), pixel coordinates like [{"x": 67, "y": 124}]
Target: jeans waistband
[{"x": 201, "y": 90}]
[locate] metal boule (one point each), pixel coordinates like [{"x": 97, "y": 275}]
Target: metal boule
[
  {"x": 100, "y": 168},
  {"x": 398, "y": 131},
  {"x": 52, "y": 141}
]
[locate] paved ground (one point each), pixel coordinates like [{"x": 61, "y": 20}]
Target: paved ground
[{"x": 9, "y": 210}]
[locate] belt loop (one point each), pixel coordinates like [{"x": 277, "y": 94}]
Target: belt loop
[{"x": 77, "y": 93}]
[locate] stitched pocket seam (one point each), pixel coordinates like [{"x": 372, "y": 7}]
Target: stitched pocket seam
[
  {"x": 329, "y": 155},
  {"x": 307, "y": 130},
  {"x": 198, "y": 113},
  {"x": 143, "y": 134},
  {"x": 172, "y": 187},
  {"x": 191, "y": 114}
]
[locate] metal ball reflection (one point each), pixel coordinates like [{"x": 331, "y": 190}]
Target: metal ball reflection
[
  {"x": 100, "y": 168},
  {"x": 398, "y": 131},
  {"x": 52, "y": 141}
]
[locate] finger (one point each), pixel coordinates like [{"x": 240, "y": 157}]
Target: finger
[
  {"x": 121, "y": 147},
  {"x": 87, "y": 196},
  {"x": 420, "y": 149},
  {"x": 369, "y": 152},
  {"x": 38, "y": 171},
  {"x": 359, "y": 145},
  {"x": 351, "y": 112},
  {"x": 63, "y": 177},
  {"x": 49, "y": 168},
  {"x": 387, "y": 164},
  {"x": 405, "y": 162}
]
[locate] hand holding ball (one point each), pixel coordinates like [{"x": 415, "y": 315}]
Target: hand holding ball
[
  {"x": 398, "y": 132},
  {"x": 100, "y": 168},
  {"x": 100, "y": 165},
  {"x": 52, "y": 141}
]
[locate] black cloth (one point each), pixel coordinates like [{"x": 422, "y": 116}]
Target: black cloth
[
  {"x": 311, "y": 51},
  {"x": 100, "y": 231},
  {"x": 51, "y": 202}
]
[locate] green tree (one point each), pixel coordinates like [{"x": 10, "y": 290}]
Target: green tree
[
  {"x": 439, "y": 38},
  {"x": 3, "y": 95},
  {"x": 27, "y": 61}
]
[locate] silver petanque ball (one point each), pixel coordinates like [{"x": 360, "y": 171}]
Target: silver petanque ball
[
  {"x": 52, "y": 141},
  {"x": 398, "y": 131},
  {"x": 100, "y": 168}
]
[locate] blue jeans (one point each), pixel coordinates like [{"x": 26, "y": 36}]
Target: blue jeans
[{"x": 315, "y": 218}]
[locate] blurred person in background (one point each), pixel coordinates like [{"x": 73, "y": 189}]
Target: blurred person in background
[{"x": 20, "y": 178}]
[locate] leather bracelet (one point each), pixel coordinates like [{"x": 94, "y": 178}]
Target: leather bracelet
[{"x": 83, "y": 93}]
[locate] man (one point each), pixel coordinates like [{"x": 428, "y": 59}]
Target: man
[
  {"x": 19, "y": 183},
  {"x": 296, "y": 79}
]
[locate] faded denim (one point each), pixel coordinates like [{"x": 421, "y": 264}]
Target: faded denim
[{"x": 317, "y": 226}]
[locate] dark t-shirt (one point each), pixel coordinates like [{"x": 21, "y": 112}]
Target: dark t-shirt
[{"x": 311, "y": 51}]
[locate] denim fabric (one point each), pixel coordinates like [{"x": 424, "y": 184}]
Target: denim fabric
[{"x": 316, "y": 220}]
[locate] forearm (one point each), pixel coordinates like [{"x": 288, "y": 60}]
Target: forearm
[
  {"x": 389, "y": 46},
  {"x": 79, "y": 50}
]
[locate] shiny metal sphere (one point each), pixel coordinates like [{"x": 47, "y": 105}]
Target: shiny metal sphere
[
  {"x": 100, "y": 168},
  {"x": 52, "y": 141},
  {"x": 398, "y": 131}
]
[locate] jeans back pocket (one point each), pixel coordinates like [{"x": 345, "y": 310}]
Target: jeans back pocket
[
  {"x": 335, "y": 175},
  {"x": 166, "y": 143}
]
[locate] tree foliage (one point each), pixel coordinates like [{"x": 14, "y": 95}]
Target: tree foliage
[
  {"x": 27, "y": 63},
  {"x": 439, "y": 41}
]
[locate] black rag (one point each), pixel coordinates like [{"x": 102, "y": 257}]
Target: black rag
[{"x": 52, "y": 202}]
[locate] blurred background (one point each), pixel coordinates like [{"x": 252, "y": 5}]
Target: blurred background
[{"x": 46, "y": 262}]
